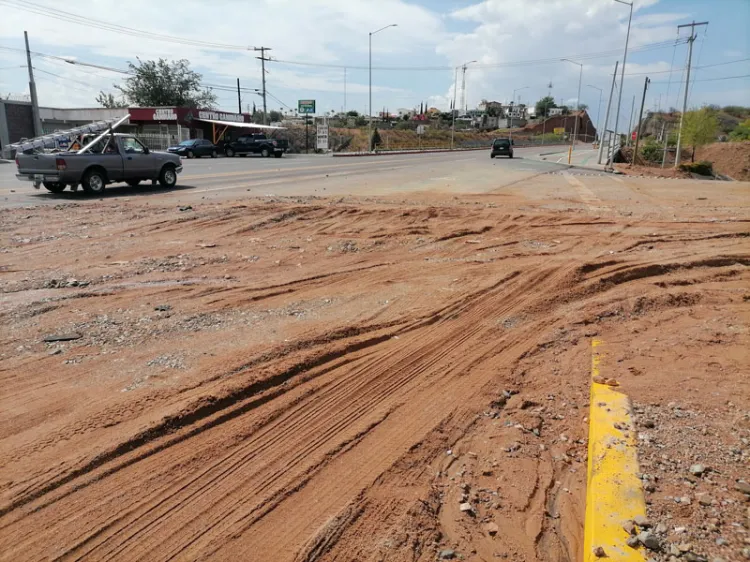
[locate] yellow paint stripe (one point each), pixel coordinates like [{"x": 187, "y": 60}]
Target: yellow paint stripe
[{"x": 614, "y": 493}]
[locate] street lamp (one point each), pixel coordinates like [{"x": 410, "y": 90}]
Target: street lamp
[
  {"x": 624, "y": 60},
  {"x": 578, "y": 103},
  {"x": 455, "y": 89},
  {"x": 513, "y": 100},
  {"x": 369, "y": 126},
  {"x": 598, "y": 111}
]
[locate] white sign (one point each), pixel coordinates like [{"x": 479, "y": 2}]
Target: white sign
[
  {"x": 218, "y": 116},
  {"x": 420, "y": 129},
  {"x": 322, "y": 141},
  {"x": 165, "y": 115}
]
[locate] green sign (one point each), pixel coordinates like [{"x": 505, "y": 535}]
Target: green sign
[{"x": 306, "y": 106}]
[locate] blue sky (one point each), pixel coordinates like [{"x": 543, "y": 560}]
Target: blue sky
[{"x": 499, "y": 34}]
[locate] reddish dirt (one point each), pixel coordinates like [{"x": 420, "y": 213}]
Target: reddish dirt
[
  {"x": 306, "y": 379},
  {"x": 729, "y": 158},
  {"x": 651, "y": 171}
]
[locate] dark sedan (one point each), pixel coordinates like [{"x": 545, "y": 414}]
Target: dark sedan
[
  {"x": 195, "y": 148},
  {"x": 502, "y": 147}
]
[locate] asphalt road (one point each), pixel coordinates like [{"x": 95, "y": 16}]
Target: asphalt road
[{"x": 228, "y": 178}]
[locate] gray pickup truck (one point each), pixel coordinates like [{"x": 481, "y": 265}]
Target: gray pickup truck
[{"x": 112, "y": 158}]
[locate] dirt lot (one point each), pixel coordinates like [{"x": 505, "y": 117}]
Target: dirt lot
[{"x": 316, "y": 379}]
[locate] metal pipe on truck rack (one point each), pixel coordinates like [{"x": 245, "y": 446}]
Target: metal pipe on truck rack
[{"x": 108, "y": 131}]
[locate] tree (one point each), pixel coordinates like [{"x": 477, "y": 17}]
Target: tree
[
  {"x": 376, "y": 140},
  {"x": 544, "y": 105},
  {"x": 741, "y": 132},
  {"x": 352, "y": 113},
  {"x": 162, "y": 84},
  {"x": 699, "y": 128},
  {"x": 110, "y": 101},
  {"x": 275, "y": 116}
]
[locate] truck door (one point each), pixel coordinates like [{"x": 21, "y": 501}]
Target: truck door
[{"x": 138, "y": 163}]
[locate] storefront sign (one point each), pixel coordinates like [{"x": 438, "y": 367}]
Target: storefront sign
[
  {"x": 218, "y": 116},
  {"x": 165, "y": 114},
  {"x": 322, "y": 137}
]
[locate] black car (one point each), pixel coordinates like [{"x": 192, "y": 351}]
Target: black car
[
  {"x": 195, "y": 148},
  {"x": 502, "y": 147}
]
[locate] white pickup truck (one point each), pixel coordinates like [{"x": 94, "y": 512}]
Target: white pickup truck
[{"x": 110, "y": 158}]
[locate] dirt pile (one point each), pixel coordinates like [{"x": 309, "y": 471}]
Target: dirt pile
[
  {"x": 729, "y": 158},
  {"x": 358, "y": 379}
]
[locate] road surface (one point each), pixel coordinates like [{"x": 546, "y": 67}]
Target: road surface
[{"x": 226, "y": 178}]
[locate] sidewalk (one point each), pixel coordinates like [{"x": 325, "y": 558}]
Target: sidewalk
[{"x": 580, "y": 158}]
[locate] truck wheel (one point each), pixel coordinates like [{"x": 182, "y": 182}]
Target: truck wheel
[
  {"x": 54, "y": 187},
  {"x": 94, "y": 182},
  {"x": 133, "y": 183},
  {"x": 492, "y": 155},
  {"x": 278, "y": 154},
  {"x": 213, "y": 154},
  {"x": 229, "y": 152},
  {"x": 190, "y": 154},
  {"x": 168, "y": 176},
  {"x": 265, "y": 153}
]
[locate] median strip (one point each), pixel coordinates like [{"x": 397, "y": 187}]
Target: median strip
[{"x": 615, "y": 504}]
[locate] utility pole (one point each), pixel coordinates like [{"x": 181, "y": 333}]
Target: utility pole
[
  {"x": 624, "y": 61},
  {"x": 640, "y": 119},
  {"x": 369, "y": 107},
  {"x": 463, "y": 90},
  {"x": 453, "y": 108},
  {"x": 239, "y": 98},
  {"x": 606, "y": 118},
  {"x": 32, "y": 91},
  {"x": 630, "y": 122},
  {"x": 691, "y": 40},
  {"x": 665, "y": 134},
  {"x": 263, "y": 60},
  {"x": 344, "y": 90}
]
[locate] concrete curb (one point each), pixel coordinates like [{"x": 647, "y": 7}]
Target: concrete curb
[{"x": 614, "y": 494}]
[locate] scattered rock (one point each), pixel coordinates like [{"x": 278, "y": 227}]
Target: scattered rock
[
  {"x": 63, "y": 337},
  {"x": 692, "y": 557},
  {"x": 746, "y": 553},
  {"x": 685, "y": 547},
  {"x": 661, "y": 529},
  {"x": 633, "y": 542},
  {"x": 721, "y": 541},
  {"x": 697, "y": 470},
  {"x": 186, "y": 208},
  {"x": 447, "y": 554},
  {"x": 743, "y": 487},
  {"x": 649, "y": 424},
  {"x": 57, "y": 351},
  {"x": 599, "y": 552},
  {"x": 642, "y": 522},
  {"x": 466, "y": 507},
  {"x": 162, "y": 307},
  {"x": 650, "y": 541},
  {"x": 629, "y": 527},
  {"x": 491, "y": 528}
]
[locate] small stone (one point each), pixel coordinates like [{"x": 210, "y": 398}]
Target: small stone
[
  {"x": 743, "y": 487},
  {"x": 63, "y": 337},
  {"x": 685, "y": 547},
  {"x": 629, "y": 527},
  {"x": 721, "y": 541},
  {"x": 746, "y": 553},
  {"x": 697, "y": 470},
  {"x": 466, "y": 507},
  {"x": 72, "y": 282},
  {"x": 599, "y": 552},
  {"x": 661, "y": 529},
  {"x": 673, "y": 550},
  {"x": 649, "y": 541},
  {"x": 447, "y": 554},
  {"x": 649, "y": 424},
  {"x": 705, "y": 501},
  {"x": 633, "y": 542},
  {"x": 692, "y": 557},
  {"x": 642, "y": 522},
  {"x": 162, "y": 307},
  {"x": 685, "y": 500},
  {"x": 57, "y": 351},
  {"x": 491, "y": 528}
]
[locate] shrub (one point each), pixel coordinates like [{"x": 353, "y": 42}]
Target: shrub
[
  {"x": 741, "y": 132},
  {"x": 652, "y": 151},
  {"x": 700, "y": 168}
]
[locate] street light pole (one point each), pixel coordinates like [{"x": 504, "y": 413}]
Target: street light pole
[
  {"x": 578, "y": 105},
  {"x": 369, "y": 124},
  {"x": 463, "y": 95},
  {"x": 510, "y": 130},
  {"x": 598, "y": 112},
  {"x": 624, "y": 61}
]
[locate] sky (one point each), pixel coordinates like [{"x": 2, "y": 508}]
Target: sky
[{"x": 320, "y": 50}]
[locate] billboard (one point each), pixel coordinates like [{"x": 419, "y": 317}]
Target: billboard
[
  {"x": 306, "y": 106},
  {"x": 322, "y": 136}
]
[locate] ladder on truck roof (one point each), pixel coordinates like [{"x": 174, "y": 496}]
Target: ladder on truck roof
[{"x": 53, "y": 140}]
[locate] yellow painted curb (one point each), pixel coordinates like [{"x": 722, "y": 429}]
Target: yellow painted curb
[{"x": 614, "y": 493}]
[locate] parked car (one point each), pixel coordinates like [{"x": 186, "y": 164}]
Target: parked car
[
  {"x": 114, "y": 158},
  {"x": 195, "y": 148},
  {"x": 256, "y": 144},
  {"x": 502, "y": 147}
]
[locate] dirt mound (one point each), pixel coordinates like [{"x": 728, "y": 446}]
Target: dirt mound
[
  {"x": 729, "y": 158},
  {"x": 651, "y": 172}
]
